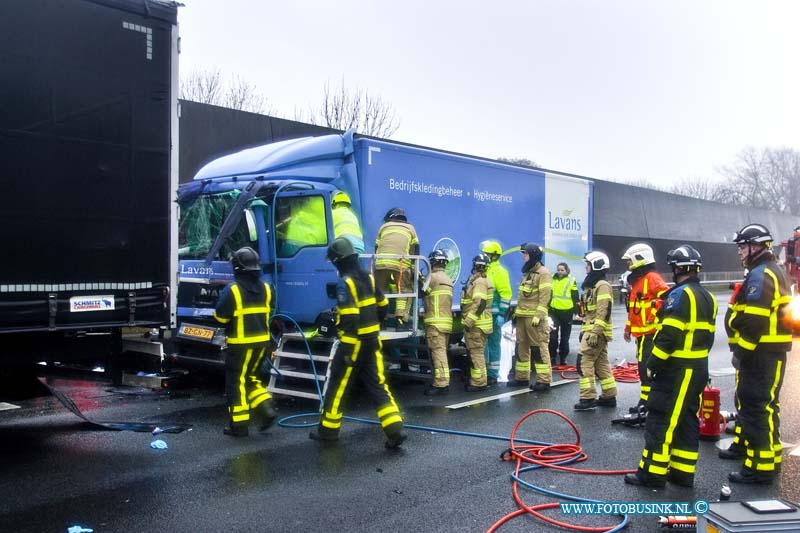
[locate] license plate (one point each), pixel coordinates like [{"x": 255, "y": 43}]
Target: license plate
[{"x": 197, "y": 332}]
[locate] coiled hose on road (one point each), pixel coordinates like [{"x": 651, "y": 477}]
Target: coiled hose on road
[{"x": 524, "y": 451}]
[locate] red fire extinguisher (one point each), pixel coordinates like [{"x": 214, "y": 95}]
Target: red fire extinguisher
[{"x": 712, "y": 423}]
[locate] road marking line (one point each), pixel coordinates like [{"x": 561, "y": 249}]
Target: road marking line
[
  {"x": 7, "y": 406},
  {"x": 509, "y": 394}
]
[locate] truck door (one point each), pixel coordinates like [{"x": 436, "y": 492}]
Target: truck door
[{"x": 303, "y": 230}]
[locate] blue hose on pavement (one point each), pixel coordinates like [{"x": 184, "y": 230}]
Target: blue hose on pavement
[{"x": 290, "y": 422}]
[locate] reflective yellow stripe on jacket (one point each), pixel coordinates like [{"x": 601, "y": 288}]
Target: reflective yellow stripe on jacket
[
  {"x": 688, "y": 328},
  {"x": 239, "y": 314}
]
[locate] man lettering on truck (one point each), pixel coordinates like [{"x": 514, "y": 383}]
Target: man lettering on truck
[
  {"x": 533, "y": 335},
  {"x": 392, "y": 274},
  {"x": 244, "y": 307}
]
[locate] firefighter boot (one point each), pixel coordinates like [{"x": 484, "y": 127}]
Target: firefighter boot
[
  {"x": 236, "y": 430},
  {"x": 436, "y": 391},
  {"x": 733, "y": 452},
  {"x": 395, "y": 440},
  {"x": 324, "y": 435},
  {"x": 641, "y": 479},
  {"x": 586, "y": 405},
  {"x": 540, "y": 387},
  {"x": 749, "y": 477},
  {"x": 265, "y": 415},
  {"x": 607, "y": 402},
  {"x": 683, "y": 479}
]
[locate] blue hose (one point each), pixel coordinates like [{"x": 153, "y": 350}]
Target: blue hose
[{"x": 285, "y": 422}]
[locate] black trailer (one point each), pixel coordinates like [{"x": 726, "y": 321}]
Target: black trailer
[{"x": 88, "y": 170}]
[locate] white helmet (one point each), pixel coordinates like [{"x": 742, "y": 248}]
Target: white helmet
[
  {"x": 597, "y": 260},
  {"x": 639, "y": 255}
]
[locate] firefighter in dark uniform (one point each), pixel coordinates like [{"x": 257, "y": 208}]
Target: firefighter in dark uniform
[
  {"x": 760, "y": 332},
  {"x": 678, "y": 368},
  {"x": 360, "y": 307},
  {"x": 244, "y": 307}
]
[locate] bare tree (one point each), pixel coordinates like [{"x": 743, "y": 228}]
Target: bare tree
[
  {"x": 209, "y": 87},
  {"x": 523, "y": 161},
  {"x": 343, "y": 109},
  {"x": 700, "y": 188},
  {"x": 766, "y": 178},
  {"x": 643, "y": 183}
]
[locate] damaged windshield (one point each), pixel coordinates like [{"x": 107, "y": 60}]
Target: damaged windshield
[{"x": 200, "y": 222}]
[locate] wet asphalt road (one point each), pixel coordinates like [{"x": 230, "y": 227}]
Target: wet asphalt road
[{"x": 58, "y": 472}]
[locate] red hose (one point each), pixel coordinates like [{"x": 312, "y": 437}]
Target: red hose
[
  {"x": 546, "y": 455},
  {"x": 626, "y": 373}
]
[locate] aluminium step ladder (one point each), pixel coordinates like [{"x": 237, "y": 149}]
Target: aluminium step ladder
[{"x": 297, "y": 376}]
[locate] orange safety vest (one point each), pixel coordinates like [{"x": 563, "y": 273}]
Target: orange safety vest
[{"x": 644, "y": 297}]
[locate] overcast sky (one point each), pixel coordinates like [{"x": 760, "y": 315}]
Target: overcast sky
[{"x": 655, "y": 90}]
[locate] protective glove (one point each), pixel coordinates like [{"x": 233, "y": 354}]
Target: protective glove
[
  {"x": 650, "y": 373},
  {"x": 735, "y": 361},
  {"x": 592, "y": 339},
  {"x": 535, "y": 321},
  {"x": 499, "y": 320},
  {"x": 468, "y": 322}
]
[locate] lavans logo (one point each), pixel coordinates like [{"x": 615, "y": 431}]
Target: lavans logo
[
  {"x": 564, "y": 222},
  {"x": 196, "y": 270}
]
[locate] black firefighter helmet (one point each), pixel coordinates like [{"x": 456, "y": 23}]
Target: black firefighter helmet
[
  {"x": 245, "y": 259},
  {"x": 397, "y": 214},
  {"x": 339, "y": 249}
]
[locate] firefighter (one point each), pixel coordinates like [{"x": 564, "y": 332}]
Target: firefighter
[
  {"x": 392, "y": 274},
  {"x": 244, "y": 308},
  {"x": 359, "y": 308},
  {"x": 563, "y": 304},
  {"x": 439, "y": 321},
  {"x": 533, "y": 335},
  {"x": 646, "y": 287},
  {"x": 678, "y": 368},
  {"x": 477, "y": 319},
  {"x": 345, "y": 221},
  {"x": 761, "y": 335},
  {"x": 498, "y": 275},
  {"x": 596, "y": 300},
  {"x": 306, "y": 225}
]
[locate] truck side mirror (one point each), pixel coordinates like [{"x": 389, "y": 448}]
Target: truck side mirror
[{"x": 250, "y": 220}]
